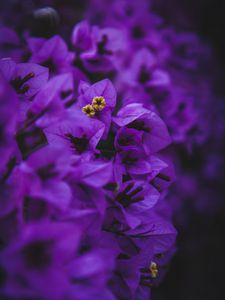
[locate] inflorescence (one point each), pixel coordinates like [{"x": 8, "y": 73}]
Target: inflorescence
[{"x": 85, "y": 128}]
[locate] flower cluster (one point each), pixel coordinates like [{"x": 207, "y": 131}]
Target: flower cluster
[
  {"x": 80, "y": 183},
  {"x": 86, "y": 118}
]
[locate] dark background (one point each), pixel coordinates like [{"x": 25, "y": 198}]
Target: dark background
[
  {"x": 206, "y": 17},
  {"x": 197, "y": 271}
]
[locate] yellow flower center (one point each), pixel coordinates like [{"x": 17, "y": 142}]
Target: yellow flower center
[
  {"x": 98, "y": 103},
  {"x": 88, "y": 110},
  {"x": 153, "y": 269}
]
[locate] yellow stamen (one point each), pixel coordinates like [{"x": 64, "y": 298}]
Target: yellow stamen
[
  {"x": 88, "y": 110},
  {"x": 153, "y": 269},
  {"x": 98, "y": 103}
]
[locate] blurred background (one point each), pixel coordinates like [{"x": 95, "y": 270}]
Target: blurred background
[{"x": 197, "y": 271}]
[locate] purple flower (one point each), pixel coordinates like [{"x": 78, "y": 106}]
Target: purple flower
[
  {"x": 78, "y": 134},
  {"x": 50, "y": 104},
  {"x": 98, "y": 101},
  {"x": 155, "y": 133},
  {"x": 100, "y": 48},
  {"x": 140, "y": 243},
  {"x": 128, "y": 138},
  {"x": 45, "y": 170},
  {"x": 13, "y": 188},
  {"x": 136, "y": 196},
  {"x": 85, "y": 166},
  {"x": 10, "y": 44},
  {"x": 145, "y": 72},
  {"x": 89, "y": 270},
  {"x": 32, "y": 263},
  {"x": 102, "y": 88},
  {"x": 183, "y": 120},
  {"x": 8, "y": 123},
  {"x": 82, "y": 38},
  {"x": 26, "y": 78},
  {"x": 86, "y": 180},
  {"x": 51, "y": 53},
  {"x": 132, "y": 162},
  {"x": 131, "y": 200},
  {"x": 93, "y": 173},
  {"x": 187, "y": 51}
]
